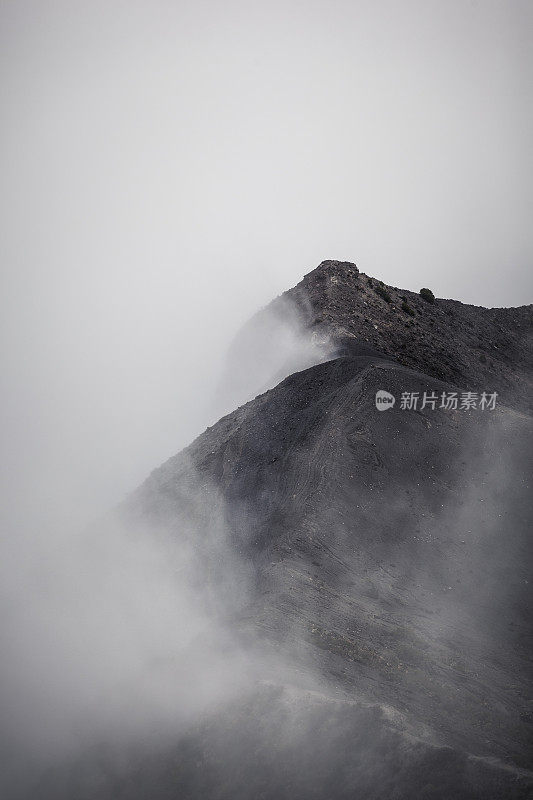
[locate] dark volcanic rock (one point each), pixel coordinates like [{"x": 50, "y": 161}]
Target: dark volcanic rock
[
  {"x": 394, "y": 546},
  {"x": 390, "y": 558},
  {"x": 390, "y": 551},
  {"x": 472, "y": 347}
]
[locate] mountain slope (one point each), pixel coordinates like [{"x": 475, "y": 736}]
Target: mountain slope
[
  {"x": 375, "y": 564},
  {"x": 394, "y": 547}
]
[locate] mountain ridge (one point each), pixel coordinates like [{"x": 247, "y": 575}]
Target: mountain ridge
[
  {"x": 382, "y": 558},
  {"x": 471, "y": 346}
]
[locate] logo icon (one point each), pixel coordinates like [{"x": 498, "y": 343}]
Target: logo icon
[{"x": 384, "y": 400}]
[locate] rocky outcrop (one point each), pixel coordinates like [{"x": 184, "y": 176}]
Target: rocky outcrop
[{"x": 472, "y": 347}]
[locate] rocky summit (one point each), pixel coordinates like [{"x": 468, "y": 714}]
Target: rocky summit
[{"x": 469, "y": 346}]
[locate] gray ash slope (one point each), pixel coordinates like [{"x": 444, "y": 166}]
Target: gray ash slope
[
  {"x": 374, "y": 565},
  {"x": 390, "y": 553}
]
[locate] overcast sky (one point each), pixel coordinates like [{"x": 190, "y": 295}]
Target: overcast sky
[{"x": 168, "y": 167}]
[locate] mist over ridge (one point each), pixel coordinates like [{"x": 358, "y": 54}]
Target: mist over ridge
[
  {"x": 313, "y": 595},
  {"x": 305, "y": 550}
]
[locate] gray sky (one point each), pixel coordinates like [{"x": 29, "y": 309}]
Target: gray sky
[{"x": 168, "y": 167}]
